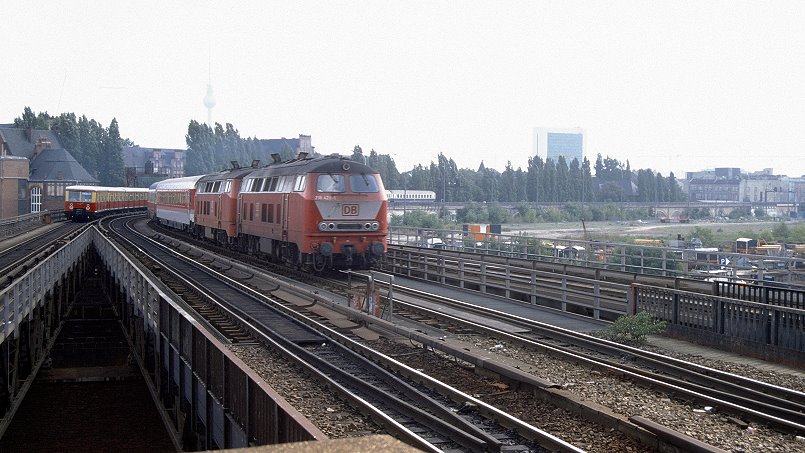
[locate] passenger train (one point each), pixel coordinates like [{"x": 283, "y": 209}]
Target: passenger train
[
  {"x": 82, "y": 203},
  {"x": 411, "y": 196},
  {"x": 312, "y": 212}
]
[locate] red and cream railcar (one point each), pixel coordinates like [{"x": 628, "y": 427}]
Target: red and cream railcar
[
  {"x": 90, "y": 202},
  {"x": 172, "y": 202},
  {"x": 216, "y": 204},
  {"x": 318, "y": 212}
]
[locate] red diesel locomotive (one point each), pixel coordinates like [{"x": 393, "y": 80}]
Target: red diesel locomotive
[{"x": 312, "y": 212}]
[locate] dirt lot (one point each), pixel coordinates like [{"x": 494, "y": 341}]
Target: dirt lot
[{"x": 651, "y": 230}]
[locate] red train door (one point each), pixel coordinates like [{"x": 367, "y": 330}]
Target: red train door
[
  {"x": 218, "y": 210},
  {"x": 285, "y": 217},
  {"x": 239, "y": 213}
]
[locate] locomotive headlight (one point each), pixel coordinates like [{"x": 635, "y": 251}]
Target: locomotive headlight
[
  {"x": 375, "y": 226},
  {"x": 331, "y": 226},
  {"x": 367, "y": 226},
  {"x": 323, "y": 226}
]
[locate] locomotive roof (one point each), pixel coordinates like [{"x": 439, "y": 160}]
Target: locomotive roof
[
  {"x": 187, "y": 182},
  {"x": 325, "y": 164},
  {"x": 236, "y": 173}
]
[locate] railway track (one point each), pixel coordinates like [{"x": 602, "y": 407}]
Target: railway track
[
  {"x": 765, "y": 403},
  {"x": 412, "y": 406},
  {"x": 17, "y": 259}
]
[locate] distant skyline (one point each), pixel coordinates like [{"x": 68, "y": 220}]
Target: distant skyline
[{"x": 671, "y": 86}]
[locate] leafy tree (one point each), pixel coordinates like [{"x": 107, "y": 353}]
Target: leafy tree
[
  {"x": 562, "y": 185},
  {"x": 111, "y": 171},
  {"x": 781, "y": 232},
  {"x": 199, "y": 139},
  {"x": 549, "y": 185},
  {"x": 704, "y": 234},
  {"x": 30, "y": 119},
  {"x": 534, "y": 190}
]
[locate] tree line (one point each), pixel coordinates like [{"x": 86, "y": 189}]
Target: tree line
[
  {"x": 97, "y": 148},
  {"x": 542, "y": 181},
  {"x": 209, "y": 149},
  {"x": 213, "y": 149}
]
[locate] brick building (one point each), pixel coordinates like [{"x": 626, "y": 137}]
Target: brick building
[{"x": 147, "y": 165}]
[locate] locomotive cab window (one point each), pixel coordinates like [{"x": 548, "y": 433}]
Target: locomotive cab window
[
  {"x": 299, "y": 186},
  {"x": 363, "y": 183},
  {"x": 82, "y": 197},
  {"x": 331, "y": 183}
]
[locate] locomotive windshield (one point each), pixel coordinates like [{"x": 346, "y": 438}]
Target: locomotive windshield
[
  {"x": 363, "y": 183},
  {"x": 331, "y": 183},
  {"x": 83, "y": 197}
]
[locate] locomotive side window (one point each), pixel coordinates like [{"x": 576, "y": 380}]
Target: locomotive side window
[
  {"x": 216, "y": 187},
  {"x": 331, "y": 183},
  {"x": 363, "y": 183},
  {"x": 299, "y": 186}
]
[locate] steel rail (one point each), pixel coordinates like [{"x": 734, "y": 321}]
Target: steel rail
[
  {"x": 764, "y": 409},
  {"x": 467, "y": 435}
]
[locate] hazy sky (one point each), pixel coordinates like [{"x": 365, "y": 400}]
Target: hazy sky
[{"x": 674, "y": 86}]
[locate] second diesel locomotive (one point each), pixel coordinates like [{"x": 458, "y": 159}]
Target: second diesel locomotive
[{"x": 311, "y": 212}]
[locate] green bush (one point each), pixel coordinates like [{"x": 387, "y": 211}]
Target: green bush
[{"x": 633, "y": 329}]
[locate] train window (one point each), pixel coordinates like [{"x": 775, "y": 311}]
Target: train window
[
  {"x": 299, "y": 186},
  {"x": 273, "y": 186},
  {"x": 247, "y": 185},
  {"x": 228, "y": 185},
  {"x": 251, "y": 211},
  {"x": 331, "y": 183},
  {"x": 73, "y": 195},
  {"x": 216, "y": 187},
  {"x": 270, "y": 214},
  {"x": 363, "y": 183}
]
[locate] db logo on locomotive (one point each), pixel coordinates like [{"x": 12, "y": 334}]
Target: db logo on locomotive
[{"x": 349, "y": 209}]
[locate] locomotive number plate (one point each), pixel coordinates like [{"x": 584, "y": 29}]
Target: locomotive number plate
[{"x": 349, "y": 209}]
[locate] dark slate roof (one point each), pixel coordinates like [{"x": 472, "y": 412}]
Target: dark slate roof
[
  {"x": 19, "y": 145},
  {"x": 56, "y": 164}
]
